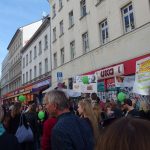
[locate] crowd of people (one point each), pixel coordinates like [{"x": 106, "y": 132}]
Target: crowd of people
[{"x": 85, "y": 124}]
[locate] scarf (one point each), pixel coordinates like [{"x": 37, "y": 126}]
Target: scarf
[{"x": 2, "y": 129}]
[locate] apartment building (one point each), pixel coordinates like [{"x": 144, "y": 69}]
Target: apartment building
[
  {"x": 91, "y": 35},
  {"x": 5, "y": 75},
  {"x": 36, "y": 61},
  {"x": 13, "y": 63}
]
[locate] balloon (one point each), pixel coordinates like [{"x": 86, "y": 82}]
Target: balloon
[
  {"x": 121, "y": 96},
  {"x": 85, "y": 79},
  {"x": 22, "y": 98},
  {"x": 41, "y": 115}
]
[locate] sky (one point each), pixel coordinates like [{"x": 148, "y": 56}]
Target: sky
[{"x": 15, "y": 14}]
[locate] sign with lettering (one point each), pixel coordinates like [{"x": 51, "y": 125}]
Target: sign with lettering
[{"x": 110, "y": 72}]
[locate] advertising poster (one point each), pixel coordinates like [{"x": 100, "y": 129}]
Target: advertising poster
[
  {"x": 142, "y": 77},
  {"x": 124, "y": 81},
  {"x": 85, "y": 84}
]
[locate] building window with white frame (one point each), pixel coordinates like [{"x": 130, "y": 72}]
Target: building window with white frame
[
  {"x": 61, "y": 28},
  {"x": 54, "y": 34},
  {"x": 71, "y": 19},
  {"x": 128, "y": 18},
  {"x": 40, "y": 68},
  {"x": 54, "y": 10},
  {"x": 46, "y": 42},
  {"x": 23, "y": 62},
  {"x": 23, "y": 78},
  {"x": 55, "y": 60},
  {"x": 85, "y": 42},
  {"x": 40, "y": 48},
  {"x": 46, "y": 65},
  {"x": 104, "y": 32},
  {"x": 83, "y": 8},
  {"x": 26, "y": 76},
  {"x": 27, "y": 60},
  {"x": 62, "y": 57},
  {"x": 35, "y": 72},
  {"x": 30, "y": 74},
  {"x": 35, "y": 52},
  {"x": 31, "y": 56},
  {"x": 60, "y": 4},
  {"x": 72, "y": 50}
]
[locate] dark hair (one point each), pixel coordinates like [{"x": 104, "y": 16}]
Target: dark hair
[
  {"x": 128, "y": 102},
  {"x": 126, "y": 134}
]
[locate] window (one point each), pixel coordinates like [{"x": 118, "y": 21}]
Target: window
[
  {"x": 40, "y": 68},
  {"x": 35, "y": 72},
  {"x": 40, "y": 48},
  {"x": 26, "y": 76},
  {"x": 46, "y": 65},
  {"x": 23, "y": 78},
  {"x": 30, "y": 74},
  {"x": 85, "y": 42},
  {"x": 35, "y": 52},
  {"x": 23, "y": 62},
  {"x": 54, "y": 34},
  {"x": 55, "y": 60},
  {"x": 30, "y": 55},
  {"x": 71, "y": 19},
  {"x": 128, "y": 18},
  {"x": 60, "y": 4},
  {"x": 61, "y": 28},
  {"x": 62, "y": 56},
  {"x": 46, "y": 42},
  {"x": 27, "y": 60},
  {"x": 72, "y": 49},
  {"x": 54, "y": 10},
  {"x": 104, "y": 32},
  {"x": 83, "y": 8}
]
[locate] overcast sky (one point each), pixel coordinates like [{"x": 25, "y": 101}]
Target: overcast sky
[{"x": 15, "y": 14}]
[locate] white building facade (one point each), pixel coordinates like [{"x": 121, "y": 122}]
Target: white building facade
[
  {"x": 18, "y": 41},
  {"x": 36, "y": 59},
  {"x": 5, "y": 76},
  {"x": 89, "y": 35}
]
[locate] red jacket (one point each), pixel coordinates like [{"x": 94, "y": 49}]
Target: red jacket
[{"x": 47, "y": 130}]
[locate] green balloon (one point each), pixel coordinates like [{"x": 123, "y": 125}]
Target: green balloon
[
  {"x": 85, "y": 79},
  {"x": 22, "y": 98},
  {"x": 41, "y": 115},
  {"x": 121, "y": 96}
]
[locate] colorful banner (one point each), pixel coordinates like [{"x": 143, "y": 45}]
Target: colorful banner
[
  {"x": 85, "y": 83},
  {"x": 142, "y": 77},
  {"x": 124, "y": 81}
]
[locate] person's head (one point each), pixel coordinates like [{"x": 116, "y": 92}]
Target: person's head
[
  {"x": 127, "y": 104},
  {"x": 126, "y": 134},
  {"x": 32, "y": 108},
  {"x": 16, "y": 109},
  {"x": 1, "y": 114},
  {"x": 56, "y": 102},
  {"x": 84, "y": 107}
]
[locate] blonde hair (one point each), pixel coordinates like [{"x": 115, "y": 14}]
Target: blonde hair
[
  {"x": 89, "y": 113},
  {"x": 97, "y": 112}
]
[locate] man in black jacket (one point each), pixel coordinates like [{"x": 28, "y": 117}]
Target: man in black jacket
[{"x": 70, "y": 132}]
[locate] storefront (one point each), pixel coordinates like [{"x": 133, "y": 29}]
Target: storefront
[{"x": 115, "y": 78}]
